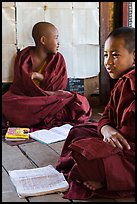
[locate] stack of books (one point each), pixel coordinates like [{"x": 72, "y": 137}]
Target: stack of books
[{"x": 17, "y": 134}]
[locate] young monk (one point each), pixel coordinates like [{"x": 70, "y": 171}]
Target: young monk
[
  {"x": 37, "y": 97},
  {"x": 100, "y": 160}
]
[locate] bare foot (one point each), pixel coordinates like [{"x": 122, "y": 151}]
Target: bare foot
[{"x": 93, "y": 185}]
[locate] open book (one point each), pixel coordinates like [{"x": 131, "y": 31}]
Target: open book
[
  {"x": 52, "y": 135},
  {"x": 38, "y": 181}
]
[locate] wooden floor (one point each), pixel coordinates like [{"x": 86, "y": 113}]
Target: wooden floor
[{"x": 33, "y": 155}]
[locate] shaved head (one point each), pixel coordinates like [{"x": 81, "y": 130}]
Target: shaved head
[
  {"x": 41, "y": 29},
  {"x": 127, "y": 34}
]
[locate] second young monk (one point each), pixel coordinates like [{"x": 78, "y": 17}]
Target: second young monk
[
  {"x": 37, "y": 96},
  {"x": 100, "y": 160}
]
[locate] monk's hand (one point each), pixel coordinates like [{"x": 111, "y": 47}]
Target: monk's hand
[
  {"x": 113, "y": 137},
  {"x": 38, "y": 76},
  {"x": 59, "y": 93},
  {"x": 62, "y": 92}
]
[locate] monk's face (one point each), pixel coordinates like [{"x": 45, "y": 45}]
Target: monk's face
[
  {"x": 117, "y": 59},
  {"x": 51, "y": 41}
]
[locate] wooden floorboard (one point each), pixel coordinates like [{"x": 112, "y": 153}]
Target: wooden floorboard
[
  {"x": 32, "y": 155},
  {"x": 27, "y": 156},
  {"x": 40, "y": 153}
]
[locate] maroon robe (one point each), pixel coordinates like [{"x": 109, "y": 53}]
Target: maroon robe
[
  {"x": 85, "y": 156},
  {"x": 27, "y": 104}
]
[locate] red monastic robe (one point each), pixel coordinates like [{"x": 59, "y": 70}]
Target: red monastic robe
[
  {"x": 85, "y": 156},
  {"x": 27, "y": 104}
]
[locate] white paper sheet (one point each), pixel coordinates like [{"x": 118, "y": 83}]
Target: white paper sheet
[
  {"x": 42, "y": 4},
  {"x": 53, "y": 135},
  {"x": 86, "y": 26},
  {"x": 84, "y": 5},
  {"x": 67, "y": 50},
  {"x": 24, "y": 27},
  {"x": 63, "y": 5},
  {"x": 8, "y": 58},
  {"x": 29, "y": 4},
  {"x": 8, "y": 25},
  {"x": 8, "y": 4},
  {"x": 86, "y": 61},
  {"x": 63, "y": 20}
]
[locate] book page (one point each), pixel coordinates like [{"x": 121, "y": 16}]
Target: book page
[
  {"x": 38, "y": 181},
  {"x": 53, "y": 135}
]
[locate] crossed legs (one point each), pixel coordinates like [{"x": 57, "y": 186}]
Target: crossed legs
[{"x": 90, "y": 173}]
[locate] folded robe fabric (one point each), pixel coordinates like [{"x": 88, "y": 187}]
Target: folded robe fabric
[{"x": 27, "y": 104}]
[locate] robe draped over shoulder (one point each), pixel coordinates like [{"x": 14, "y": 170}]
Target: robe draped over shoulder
[
  {"x": 27, "y": 104},
  {"x": 86, "y": 156}
]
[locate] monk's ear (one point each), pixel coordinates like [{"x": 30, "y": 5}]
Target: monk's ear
[{"x": 43, "y": 40}]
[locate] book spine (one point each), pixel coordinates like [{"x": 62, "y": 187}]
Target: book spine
[{"x": 17, "y": 136}]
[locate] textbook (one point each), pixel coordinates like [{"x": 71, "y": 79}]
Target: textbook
[
  {"x": 17, "y": 134},
  {"x": 52, "y": 135},
  {"x": 38, "y": 181}
]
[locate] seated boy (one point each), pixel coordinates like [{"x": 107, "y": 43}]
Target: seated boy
[
  {"x": 100, "y": 160},
  {"x": 37, "y": 96}
]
